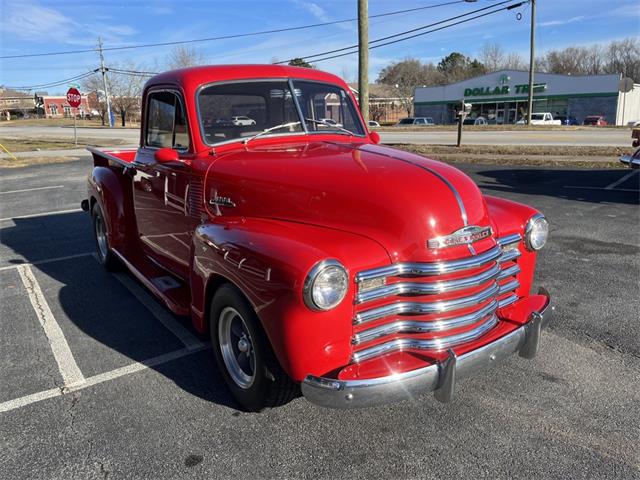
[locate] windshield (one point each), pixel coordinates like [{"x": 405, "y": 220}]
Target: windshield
[
  {"x": 537, "y": 116},
  {"x": 406, "y": 121},
  {"x": 242, "y": 110},
  {"x": 327, "y": 108}
]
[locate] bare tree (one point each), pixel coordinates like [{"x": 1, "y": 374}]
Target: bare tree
[
  {"x": 404, "y": 76},
  {"x": 623, "y": 57},
  {"x": 494, "y": 58},
  {"x": 183, "y": 57},
  {"x": 125, "y": 91},
  {"x": 618, "y": 57}
]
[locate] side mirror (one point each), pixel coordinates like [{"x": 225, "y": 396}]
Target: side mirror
[
  {"x": 375, "y": 137},
  {"x": 165, "y": 155}
]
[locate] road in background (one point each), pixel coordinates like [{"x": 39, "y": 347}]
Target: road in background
[
  {"x": 595, "y": 137},
  {"x": 573, "y": 411}
]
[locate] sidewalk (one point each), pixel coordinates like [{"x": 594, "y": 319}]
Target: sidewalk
[{"x": 74, "y": 152}]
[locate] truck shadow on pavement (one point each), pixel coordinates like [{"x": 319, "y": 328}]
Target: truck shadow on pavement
[
  {"x": 584, "y": 185},
  {"x": 105, "y": 326}
]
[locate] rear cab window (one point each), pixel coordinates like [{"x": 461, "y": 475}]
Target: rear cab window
[{"x": 166, "y": 125}]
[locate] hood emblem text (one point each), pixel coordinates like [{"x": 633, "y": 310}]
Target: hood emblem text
[
  {"x": 222, "y": 201},
  {"x": 464, "y": 236}
]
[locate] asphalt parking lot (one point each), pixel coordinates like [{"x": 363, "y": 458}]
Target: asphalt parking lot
[{"x": 97, "y": 380}]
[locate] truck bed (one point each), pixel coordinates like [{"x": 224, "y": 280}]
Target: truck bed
[{"x": 121, "y": 157}]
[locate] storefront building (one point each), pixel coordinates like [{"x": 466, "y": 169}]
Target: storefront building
[{"x": 501, "y": 98}]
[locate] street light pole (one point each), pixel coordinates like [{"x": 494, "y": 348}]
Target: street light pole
[
  {"x": 363, "y": 58},
  {"x": 532, "y": 60},
  {"x": 104, "y": 81}
]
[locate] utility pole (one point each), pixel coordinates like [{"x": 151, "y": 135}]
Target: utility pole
[
  {"x": 363, "y": 58},
  {"x": 532, "y": 60},
  {"x": 104, "y": 81}
]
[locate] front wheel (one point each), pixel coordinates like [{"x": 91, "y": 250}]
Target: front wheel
[
  {"x": 105, "y": 256},
  {"x": 244, "y": 355}
]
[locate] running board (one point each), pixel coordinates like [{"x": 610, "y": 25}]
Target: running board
[{"x": 169, "y": 290}]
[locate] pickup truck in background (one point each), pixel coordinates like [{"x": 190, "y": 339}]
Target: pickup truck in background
[
  {"x": 314, "y": 258},
  {"x": 633, "y": 161},
  {"x": 540, "y": 119}
]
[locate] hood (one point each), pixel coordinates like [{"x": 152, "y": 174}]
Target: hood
[{"x": 399, "y": 199}]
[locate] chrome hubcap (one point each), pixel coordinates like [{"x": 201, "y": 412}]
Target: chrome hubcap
[
  {"x": 101, "y": 237},
  {"x": 236, "y": 347}
]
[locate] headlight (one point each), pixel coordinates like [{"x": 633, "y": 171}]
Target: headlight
[
  {"x": 536, "y": 232},
  {"x": 326, "y": 285}
]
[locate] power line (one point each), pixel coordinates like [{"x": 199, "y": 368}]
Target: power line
[
  {"x": 56, "y": 83},
  {"x": 132, "y": 72},
  {"x": 509, "y": 7},
  {"x": 328, "y": 52},
  {"x": 378, "y": 45},
  {"x": 227, "y": 37}
]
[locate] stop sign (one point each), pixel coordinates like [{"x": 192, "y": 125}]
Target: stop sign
[{"x": 73, "y": 97}]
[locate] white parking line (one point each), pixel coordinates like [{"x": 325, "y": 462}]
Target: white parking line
[
  {"x": 602, "y": 188},
  {"x": 100, "y": 378},
  {"x": 32, "y": 189},
  {"x": 611, "y": 186},
  {"x": 43, "y": 214},
  {"x": 163, "y": 316},
  {"x": 47, "y": 260},
  {"x": 67, "y": 365}
]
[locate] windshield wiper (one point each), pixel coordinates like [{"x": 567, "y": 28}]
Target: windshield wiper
[
  {"x": 327, "y": 124},
  {"x": 271, "y": 129}
]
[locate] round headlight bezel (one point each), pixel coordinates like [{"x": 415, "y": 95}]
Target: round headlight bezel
[
  {"x": 535, "y": 220},
  {"x": 314, "y": 274}
]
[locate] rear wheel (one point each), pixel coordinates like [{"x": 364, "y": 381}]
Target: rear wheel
[
  {"x": 244, "y": 355},
  {"x": 105, "y": 255}
]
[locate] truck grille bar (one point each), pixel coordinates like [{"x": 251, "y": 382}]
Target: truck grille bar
[{"x": 444, "y": 304}]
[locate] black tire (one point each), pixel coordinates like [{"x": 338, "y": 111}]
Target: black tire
[
  {"x": 104, "y": 253},
  {"x": 269, "y": 386}
]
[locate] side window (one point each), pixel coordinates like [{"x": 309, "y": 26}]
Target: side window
[{"x": 166, "y": 122}]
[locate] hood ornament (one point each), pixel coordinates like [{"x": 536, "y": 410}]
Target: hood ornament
[{"x": 464, "y": 236}]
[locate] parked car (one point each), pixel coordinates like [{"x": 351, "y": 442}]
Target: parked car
[
  {"x": 287, "y": 250},
  {"x": 411, "y": 121},
  {"x": 597, "y": 120},
  {"x": 567, "y": 120},
  {"x": 633, "y": 161},
  {"x": 540, "y": 119},
  {"x": 633, "y": 123},
  {"x": 242, "y": 121},
  {"x": 373, "y": 123},
  {"x": 475, "y": 121},
  {"x": 331, "y": 122}
]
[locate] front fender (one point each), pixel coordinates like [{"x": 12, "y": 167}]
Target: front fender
[
  {"x": 268, "y": 260},
  {"x": 510, "y": 217}
]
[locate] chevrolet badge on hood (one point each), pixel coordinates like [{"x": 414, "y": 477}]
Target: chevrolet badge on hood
[{"x": 464, "y": 236}]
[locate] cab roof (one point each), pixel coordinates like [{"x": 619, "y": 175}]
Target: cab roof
[{"x": 191, "y": 78}]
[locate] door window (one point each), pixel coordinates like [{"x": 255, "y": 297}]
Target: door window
[{"x": 166, "y": 122}]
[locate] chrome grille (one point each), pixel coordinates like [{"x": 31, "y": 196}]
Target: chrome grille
[{"x": 433, "y": 306}]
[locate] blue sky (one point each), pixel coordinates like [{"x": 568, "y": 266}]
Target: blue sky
[{"x": 30, "y": 26}]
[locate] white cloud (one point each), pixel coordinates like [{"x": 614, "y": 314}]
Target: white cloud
[
  {"x": 315, "y": 10},
  {"x": 36, "y": 23},
  {"x": 556, "y": 23}
]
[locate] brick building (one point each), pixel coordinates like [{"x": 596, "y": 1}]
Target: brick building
[{"x": 58, "y": 107}]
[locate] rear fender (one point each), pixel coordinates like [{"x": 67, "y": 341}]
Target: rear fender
[
  {"x": 111, "y": 188},
  {"x": 268, "y": 260}
]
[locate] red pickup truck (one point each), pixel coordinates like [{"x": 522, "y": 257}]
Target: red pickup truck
[{"x": 314, "y": 258}]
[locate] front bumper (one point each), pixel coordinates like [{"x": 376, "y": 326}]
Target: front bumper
[{"x": 439, "y": 378}]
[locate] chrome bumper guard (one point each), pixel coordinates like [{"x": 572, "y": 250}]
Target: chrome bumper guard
[
  {"x": 632, "y": 161},
  {"x": 439, "y": 378}
]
